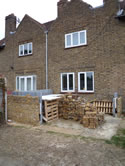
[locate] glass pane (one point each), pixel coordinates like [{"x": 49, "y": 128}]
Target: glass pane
[
  {"x": 28, "y": 84},
  {"x": 21, "y": 50},
  {"x": 17, "y": 83},
  {"x": 75, "y": 38},
  {"x": 82, "y": 37},
  {"x": 64, "y": 81},
  {"x": 82, "y": 81},
  {"x": 34, "y": 83},
  {"x": 90, "y": 81},
  {"x": 25, "y": 49},
  {"x": 30, "y": 48},
  {"x": 68, "y": 39},
  {"x": 70, "y": 81},
  {"x": 22, "y": 84}
]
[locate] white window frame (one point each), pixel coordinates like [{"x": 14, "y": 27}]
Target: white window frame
[
  {"x": 22, "y": 45},
  {"x": 25, "y": 82},
  {"x": 68, "y": 82},
  {"x": 85, "y": 73},
  {"x": 79, "y": 44}
]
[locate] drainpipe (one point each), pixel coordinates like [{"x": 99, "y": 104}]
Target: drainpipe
[
  {"x": 46, "y": 32},
  {"x": 6, "y": 100},
  {"x": 41, "y": 113}
]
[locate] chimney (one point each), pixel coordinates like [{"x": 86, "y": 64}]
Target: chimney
[
  {"x": 61, "y": 4},
  {"x": 10, "y": 24}
]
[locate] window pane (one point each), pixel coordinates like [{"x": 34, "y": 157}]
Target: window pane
[
  {"x": 30, "y": 48},
  {"x": 28, "y": 84},
  {"x": 90, "y": 81},
  {"x": 70, "y": 81},
  {"x": 68, "y": 39},
  {"x": 82, "y": 37},
  {"x": 25, "y": 48},
  {"x": 22, "y": 84},
  {"x": 17, "y": 83},
  {"x": 34, "y": 83},
  {"x": 64, "y": 81},
  {"x": 21, "y": 50},
  {"x": 82, "y": 81},
  {"x": 75, "y": 38}
]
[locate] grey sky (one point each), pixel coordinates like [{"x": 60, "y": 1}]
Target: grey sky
[{"x": 41, "y": 10}]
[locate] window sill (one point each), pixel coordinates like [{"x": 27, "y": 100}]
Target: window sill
[
  {"x": 75, "y": 46},
  {"x": 25, "y": 55},
  {"x": 77, "y": 92}
]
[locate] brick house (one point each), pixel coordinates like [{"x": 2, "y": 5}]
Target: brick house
[{"x": 85, "y": 48}]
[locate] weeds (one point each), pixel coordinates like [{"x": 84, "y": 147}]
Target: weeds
[{"x": 118, "y": 139}]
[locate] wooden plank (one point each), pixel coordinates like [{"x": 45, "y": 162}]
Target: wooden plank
[
  {"x": 103, "y": 106},
  {"x": 51, "y": 110}
]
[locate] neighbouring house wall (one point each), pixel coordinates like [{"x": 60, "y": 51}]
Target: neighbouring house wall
[
  {"x": 23, "y": 109},
  {"x": 12, "y": 65}
]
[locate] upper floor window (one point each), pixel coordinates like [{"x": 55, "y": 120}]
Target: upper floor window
[
  {"x": 67, "y": 82},
  {"x": 26, "y": 83},
  {"x": 25, "y": 49},
  {"x": 75, "y": 39},
  {"x": 86, "y": 81}
]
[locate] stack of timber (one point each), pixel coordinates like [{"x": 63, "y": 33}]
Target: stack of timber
[
  {"x": 76, "y": 108},
  {"x": 71, "y": 107},
  {"x": 92, "y": 118}
]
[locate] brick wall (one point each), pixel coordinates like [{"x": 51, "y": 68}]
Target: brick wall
[
  {"x": 2, "y": 100},
  {"x": 23, "y": 109},
  {"x": 103, "y": 54},
  {"x": 11, "y": 65}
]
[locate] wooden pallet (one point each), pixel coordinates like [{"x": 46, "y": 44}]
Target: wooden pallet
[
  {"x": 51, "y": 110},
  {"x": 104, "y": 106}
]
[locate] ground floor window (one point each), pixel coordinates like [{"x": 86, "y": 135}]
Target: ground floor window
[
  {"x": 86, "y": 81},
  {"x": 67, "y": 82},
  {"x": 25, "y": 83}
]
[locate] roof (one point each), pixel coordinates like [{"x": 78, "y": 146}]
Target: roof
[
  {"x": 2, "y": 43},
  {"x": 44, "y": 26},
  {"x": 48, "y": 24},
  {"x": 36, "y": 22}
]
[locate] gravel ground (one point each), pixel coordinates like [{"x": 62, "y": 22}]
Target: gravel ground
[{"x": 32, "y": 146}]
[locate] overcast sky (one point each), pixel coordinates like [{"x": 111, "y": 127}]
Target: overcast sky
[{"x": 41, "y": 10}]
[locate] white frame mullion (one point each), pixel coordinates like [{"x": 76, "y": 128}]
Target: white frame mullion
[
  {"x": 28, "y": 44},
  {"x": 79, "y": 84},
  {"x": 28, "y": 48},
  {"x": 93, "y": 81},
  {"x": 85, "y": 73},
  {"x": 25, "y": 82},
  {"x": 85, "y": 81},
  {"x": 78, "y": 38},
  {"x": 79, "y": 44},
  {"x": 32, "y": 83},
  {"x": 67, "y": 82}
]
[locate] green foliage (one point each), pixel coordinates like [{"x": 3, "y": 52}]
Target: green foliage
[{"x": 118, "y": 139}]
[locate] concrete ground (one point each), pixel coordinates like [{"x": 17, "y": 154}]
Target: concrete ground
[
  {"x": 60, "y": 143},
  {"x": 105, "y": 131}
]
